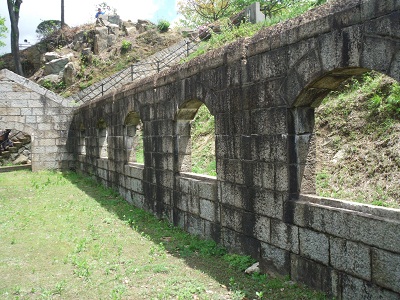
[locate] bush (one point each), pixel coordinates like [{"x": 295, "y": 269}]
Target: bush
[
  {"x": 163, "y": 25},
  {"x": 126, "y": 46}
]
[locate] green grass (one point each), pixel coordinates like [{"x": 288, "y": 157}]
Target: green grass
[
  {"x": 65, "y": 237},
  {"x": 203, "y": 143},
  {"x": 231, "y": 33},
  {"x": 362, "y": 122}
]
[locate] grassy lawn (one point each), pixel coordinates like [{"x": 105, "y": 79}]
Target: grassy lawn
[{"x": 63, "y": 236}]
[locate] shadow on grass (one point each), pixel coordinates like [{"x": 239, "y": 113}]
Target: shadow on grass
[{"x": 200, "y": 254}]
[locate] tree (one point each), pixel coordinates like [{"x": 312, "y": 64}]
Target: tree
[
  {"x": 203, "y": 11},
  {"x": 62, "y": 14},
  {"x": 13, "y": 10},
  {"x": 3, "y": 29},
  {"x": 45, "y": 28},
  {"x": 199, "y": 12}
]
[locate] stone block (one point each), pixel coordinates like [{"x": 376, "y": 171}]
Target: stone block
[
  {"x": 208, "y": 190},
  {"x": 208, "y": 210},
  {"x": 386, "y": 269},
  {"x": 349, "y": 224},
  {"x": 313, "y": 274},
  {"x": 274, "y": 260},
  {"x": 262, "y": 228},
  {"x": 355, "y": 288},
  {"x": 268, "y": 203},
  {"x": 285, "y": 236},
  {"x": 314, "y": 245},
  {"x": 352, "y": 258}
]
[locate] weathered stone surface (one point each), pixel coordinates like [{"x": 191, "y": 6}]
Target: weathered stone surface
[
  {"x": 69, "y": 74},
  {"x": 314, "y": 245},
  {"x": 274, "y": 260},
  {"x": 49, "y": 56},
  {"x": 55, "y": 66},
  {"x": 352, "y": 258},
  {"x": 386, "y": 269}
]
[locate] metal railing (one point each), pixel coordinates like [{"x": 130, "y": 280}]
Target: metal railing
[{"x": 153, "y": 64}]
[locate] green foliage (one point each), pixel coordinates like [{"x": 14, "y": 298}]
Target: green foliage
[
  {"x": 203, "y": 143},
  {"x": 46, "y": 28},
  {"x": 126, "y": 46},
  {"x": 239, "y": 262},
  {"x": 54, "y": 86},
  {"x": 3, "y": 30},
  {"x": 229, "y": 33},
  {"x": 163, "y": 25},
  {"x": 359, "y": 124}
]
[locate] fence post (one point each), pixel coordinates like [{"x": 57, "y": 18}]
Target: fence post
[
  {"x": 158, "y": 66},
  {"x": 187, "y": 48},
  {"x": 102, "y": 89},
  {"x": 131, "y": 72}
]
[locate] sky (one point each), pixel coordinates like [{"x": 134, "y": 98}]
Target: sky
[{"x": 78, "y": 12}]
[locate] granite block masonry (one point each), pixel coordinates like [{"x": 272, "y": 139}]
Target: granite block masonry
[{"x": 262, "y": 92}]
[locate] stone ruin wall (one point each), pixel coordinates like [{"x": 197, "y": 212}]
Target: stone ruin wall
[{"x": 262, "y": 93}]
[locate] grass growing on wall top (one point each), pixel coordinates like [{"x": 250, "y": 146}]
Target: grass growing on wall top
[{"x": 64, "y": 236}]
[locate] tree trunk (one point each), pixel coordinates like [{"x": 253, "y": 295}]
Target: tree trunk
[
  {"x": 62, "y": 14},
  {"x": 13, "y": 10}
]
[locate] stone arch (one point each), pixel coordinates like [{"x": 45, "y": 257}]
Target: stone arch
[
  {"x": 183, "y": 121},
  {"x": 34, "y": 134},
  {"x": 133, "y": 137},
  {"x": 302, "y": 143}
]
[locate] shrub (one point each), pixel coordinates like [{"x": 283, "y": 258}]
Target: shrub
[
  {"x": 126, "y": 46},
  {"x": 163, "y": 25}
]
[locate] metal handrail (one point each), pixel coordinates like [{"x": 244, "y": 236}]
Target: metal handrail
[{"x": 160, "y": 64}]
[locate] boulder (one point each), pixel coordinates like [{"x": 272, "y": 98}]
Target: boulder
[
  {"x": 100, "y": 39},
  {"x": 253, "y": 269},
  {"x": 114, "y": 19},
  {"x": 113, "y": 29},
  {"x": 21, "y": 160},
  {"x": 55, "y": 66},
  {"x": 111, "y": 39},
  {"x": 144, "y": 25},
  {"x": 69, "y": 74},
  {"x": 53, "y": 78},
  {"x": 49, "y": 56}
]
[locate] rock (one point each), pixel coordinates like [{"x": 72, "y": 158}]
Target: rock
[
  {"x": 338, "y": 156},
  {"x": 100, "y": 40},
  {"x": 130, "y": 30},
  {"x": 49, "y": 56},
  {"x": 113, "y": 29},
  {"x": 21, "y": 160},
  {"x": 253, "y": 269},
  {"x": 55, "y": 66},
  {"x": 114, "y": 19},
  {"x": 53, "y": 78},
  {"x": 143, "y": 25},
  {"x": 111, "y": 39},
  {"x": 69, "y": 74}
]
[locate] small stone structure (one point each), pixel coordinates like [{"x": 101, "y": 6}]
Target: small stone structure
[
  {"x": 262, "y": 92},
  {"x": 45, "y": 116}
]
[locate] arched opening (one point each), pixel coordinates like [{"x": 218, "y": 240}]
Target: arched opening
[
  {"x": 102, "y": 134},
  {"x": 15, "y": 148},
  {"x": 350, "y": 140},
  {"x": 195, "y": 130},
  {"x": 133, "y": 138}
]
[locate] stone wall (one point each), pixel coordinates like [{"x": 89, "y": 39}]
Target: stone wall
[
  {"x": 46, "y": 117},
  {"x": 262, "y": 93}
]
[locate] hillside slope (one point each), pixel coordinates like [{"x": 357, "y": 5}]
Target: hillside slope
[{"x": 358, "y": 142}]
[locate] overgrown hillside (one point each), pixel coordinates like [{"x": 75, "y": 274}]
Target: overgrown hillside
[{"x": 358, "y": 142}]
